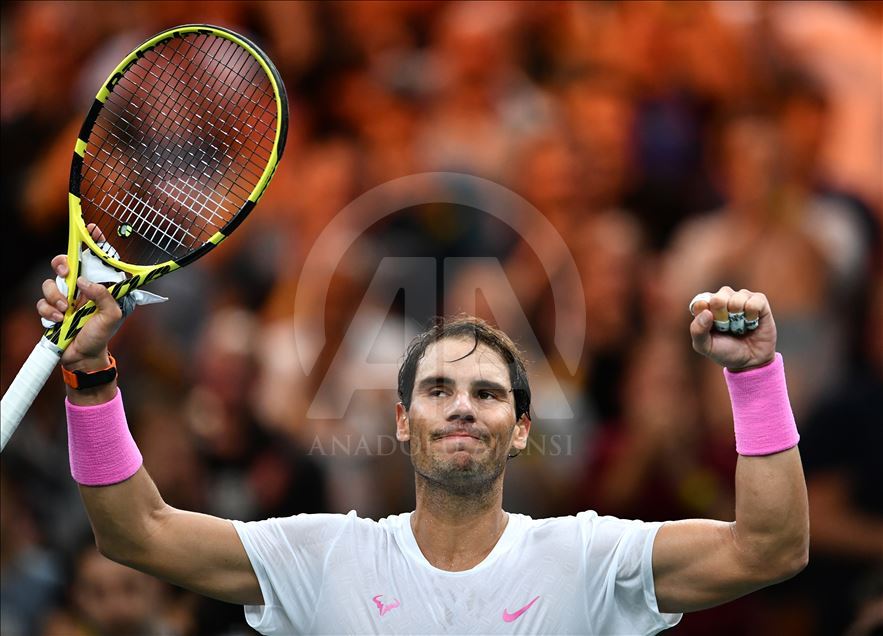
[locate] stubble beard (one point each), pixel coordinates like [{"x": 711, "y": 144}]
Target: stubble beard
[{"x": 469, "y": 479}]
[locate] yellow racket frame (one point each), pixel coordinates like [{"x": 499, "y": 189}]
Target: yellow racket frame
[{"x": 64, "y": 332}]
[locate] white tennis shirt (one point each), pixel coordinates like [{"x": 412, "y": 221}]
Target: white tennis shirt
[{"x": 341, "y": 574}]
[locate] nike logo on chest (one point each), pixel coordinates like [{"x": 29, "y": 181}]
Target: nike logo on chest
[{"x": 507, "y": 617}]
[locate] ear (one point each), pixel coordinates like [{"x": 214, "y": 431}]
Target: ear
[
  {"x": 403, "y": 427},
  {"x": 520, "y": 433}
]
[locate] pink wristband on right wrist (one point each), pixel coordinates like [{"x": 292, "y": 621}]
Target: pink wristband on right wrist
[
  {"x": 762, "y": 417},
  {"x": 101, "y": 449}
]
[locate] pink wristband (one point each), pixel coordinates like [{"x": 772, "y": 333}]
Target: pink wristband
[
  {"x": 762, "y": 414},
  {"x": 102, "y": 451}
]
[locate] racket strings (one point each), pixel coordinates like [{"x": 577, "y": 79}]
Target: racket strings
[
  {"x": 239, "y": 91},
  {"x": 142, "y": 203},
  {"x": 225, "y": 101},
  {"x": 178, "y": 191},
  {"x": 180, "y": 145},
  {"x": 220, "y": 105},
  {"x": 256, "y": 72},
  {"x": 182, "y": 191}
]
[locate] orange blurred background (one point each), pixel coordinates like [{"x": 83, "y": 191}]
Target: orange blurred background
[{"x": 674, "y": 147}]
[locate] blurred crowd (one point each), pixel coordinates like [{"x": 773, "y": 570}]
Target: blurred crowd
[{"x": 661, "y": 148}]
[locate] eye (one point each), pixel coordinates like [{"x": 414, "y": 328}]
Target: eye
[
  {"x": 436, "y": 392},
  {"x": 484, "y": 394}
]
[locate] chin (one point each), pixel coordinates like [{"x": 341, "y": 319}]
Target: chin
[{"x": 459, "y": 462}]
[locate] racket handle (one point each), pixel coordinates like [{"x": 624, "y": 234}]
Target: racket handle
[{"x": 25, "y": 387}]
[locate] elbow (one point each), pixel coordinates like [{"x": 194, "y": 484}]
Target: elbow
[
  {"x": 131, "y": 546},
  {"x": 788, "y": 563},
  {"x": 787, "y": 566},
  {"x": 109, "y": 550},
  {"x": 798, "y": 561},
  {"x": 128, "y": 555},
  {"x": 796, "y": 554},
  {"x": 779, "y": 562}
]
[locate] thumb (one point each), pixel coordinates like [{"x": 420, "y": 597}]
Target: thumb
[
  {"x": 101, "y": 296},
  {"x": 700, "y": 331}
]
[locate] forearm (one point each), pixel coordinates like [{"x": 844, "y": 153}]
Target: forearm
[
  {"x": 134, "y": 526},
  {"x": 121, "y": 500},
  {"x": 124, "y": 516},
  {"x": 772, "y": 513},
  {"x": 700, "y": 563}
]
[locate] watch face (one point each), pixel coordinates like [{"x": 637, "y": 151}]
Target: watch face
[
  {"x": 85, "y": 380},
  {"x": 91, "y": 380}
]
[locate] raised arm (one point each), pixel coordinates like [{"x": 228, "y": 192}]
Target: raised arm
[
  {"x": 131, "y": 522},
  {"x": 700, "y": 563}
]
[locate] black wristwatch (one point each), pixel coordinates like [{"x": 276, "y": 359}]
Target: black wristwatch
[{"x": 89, "y": 380}]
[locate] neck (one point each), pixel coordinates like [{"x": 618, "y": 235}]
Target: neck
[{"x": 456, "y": 531}]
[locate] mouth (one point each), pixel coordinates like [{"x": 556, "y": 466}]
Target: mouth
[{"x": 457, "y": 435}]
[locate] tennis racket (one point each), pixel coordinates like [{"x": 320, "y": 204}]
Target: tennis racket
[{"x": 178, "y": 146}]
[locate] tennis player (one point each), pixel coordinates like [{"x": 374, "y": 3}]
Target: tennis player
[{"x": 458, "y": 563}]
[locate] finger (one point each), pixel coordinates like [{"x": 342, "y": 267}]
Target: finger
[
  {"x": 59, "y": 265},
  {"x": 736, "y": 302},
  {"x": 718, "y": 306},
  {"x": 756, "y": 306},
  {"x": 736, "y": 312},
  {"x": 700, "y": 331},
  {"x": 699, "y": 303},
  {"x": 53, "y": 295},
  {"x": 699, "y": 307},
  {"x": 49, "y": 312},
  {"x": 102, "y": 298}
]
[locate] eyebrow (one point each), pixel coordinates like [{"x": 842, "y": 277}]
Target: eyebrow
[{"x": 440, "y": 380}]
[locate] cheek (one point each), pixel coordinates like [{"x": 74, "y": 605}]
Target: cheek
[
  {"x": 425, "y": 411},
  {"x": 418, "y": 419}
]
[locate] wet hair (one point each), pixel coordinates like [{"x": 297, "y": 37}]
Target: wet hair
[{"x": 465, "y": 326}]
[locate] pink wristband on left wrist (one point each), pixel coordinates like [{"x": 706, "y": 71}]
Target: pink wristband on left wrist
[{"x": 762, "y": 418}]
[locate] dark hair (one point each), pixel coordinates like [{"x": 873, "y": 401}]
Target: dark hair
[{"x": 482, "y": 333}]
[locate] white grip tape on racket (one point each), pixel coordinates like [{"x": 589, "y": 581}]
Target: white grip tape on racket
[{"x": 24, "y": 389}]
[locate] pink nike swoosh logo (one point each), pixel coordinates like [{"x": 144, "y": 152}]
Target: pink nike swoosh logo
[
  {"x": 383, "y": 607},
  {"x": 511, "y": 617}
]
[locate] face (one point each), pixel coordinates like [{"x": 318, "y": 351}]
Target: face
[{"x": 461, "y": 423}]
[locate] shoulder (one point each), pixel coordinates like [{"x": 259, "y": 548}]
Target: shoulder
[
  {"x": 587, "y": 527},
  {"x": 392, "y": 522},
  {"x": 599, "y": 546},
  {"x": 306, "y": 528},
  {"x": 557, "y": 531}
]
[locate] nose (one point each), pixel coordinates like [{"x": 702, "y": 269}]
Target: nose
[{"x": 460, "y": 407}]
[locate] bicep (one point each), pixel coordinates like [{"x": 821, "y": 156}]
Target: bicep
[
  {"x": 697, "y": 564},
  {"x": 200, "y": 553}
]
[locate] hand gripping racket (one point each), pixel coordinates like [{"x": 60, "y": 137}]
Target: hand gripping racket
[{"x": 177, "y": 148}]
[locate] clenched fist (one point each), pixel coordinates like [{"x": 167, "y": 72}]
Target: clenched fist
[{"x": 738, "y": 352}]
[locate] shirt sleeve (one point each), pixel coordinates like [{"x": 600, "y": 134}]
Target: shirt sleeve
[
  {"x": 619, "y": 570},
  {"x": 288, "y": 556}
]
